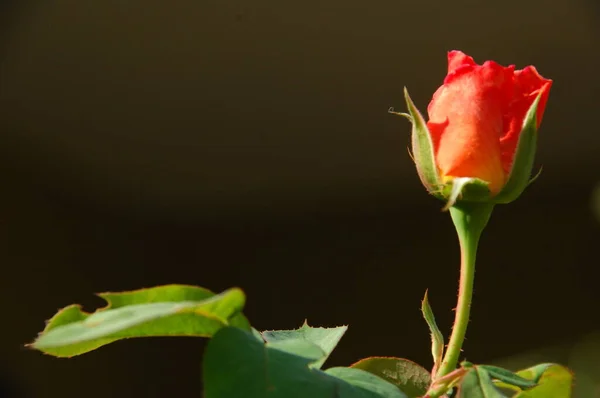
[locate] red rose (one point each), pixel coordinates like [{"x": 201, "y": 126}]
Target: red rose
[
  {"x": 476, "y": 117},
  {"x": 480, "y": 141}
]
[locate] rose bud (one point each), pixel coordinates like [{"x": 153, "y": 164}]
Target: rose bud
[{"x": 480, "y": 141}]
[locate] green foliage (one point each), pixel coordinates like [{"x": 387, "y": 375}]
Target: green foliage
[
  {"x": 242, "y": 362},
  {"x": 540, "y": 381},
  {"x": 437, "y": 339},
  {"x": 238, "y": 365},
  {"x": 508, "y": 378},
  {"x": 553, "y": 381},
  {"x": 477, "y": 383},
  {"x": 412, "y": 379},
  {"x": 172, "y": 310},
  {"x": 324, "y": 338}
]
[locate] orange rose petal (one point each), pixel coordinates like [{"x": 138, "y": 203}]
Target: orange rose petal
[
  {"x": 527, "y": 86},
  {"x": 476, "y": 116},
  {"x": 470, "y": 106}
]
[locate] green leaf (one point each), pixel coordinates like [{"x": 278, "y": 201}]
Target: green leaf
[
  {"x": 423, "y": 151},
  {"x": 437, "y": 339},
  {"x": 172, "y": 310},
  {"x": 477, "y": 383},
  {"x": 520, "y": 173},
  {"x": 554, "y": 381},
  {"x": 238, "y": 365},
  {"x": 360, "y": 383},
  {"x": 324, "y": 338},
  {"x": 508, "y": 377},
  {"x": 412, "y": 379},
  {"x": 302, "y": 348}
]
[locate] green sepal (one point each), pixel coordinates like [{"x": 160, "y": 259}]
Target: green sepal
[
  {"x": 437, "y": 339},
  {"x": 422, "y": 149},
  {"x": 520, "y": 174},
  {"x": 465, "y": 189}
]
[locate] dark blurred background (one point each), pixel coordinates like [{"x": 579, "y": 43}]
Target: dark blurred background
[{"x": 247, "y": 143}]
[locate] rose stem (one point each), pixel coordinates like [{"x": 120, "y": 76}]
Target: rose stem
[{"x": 469, "y": 219}]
